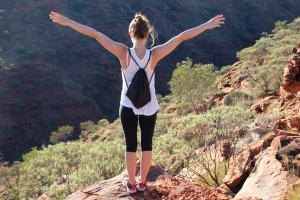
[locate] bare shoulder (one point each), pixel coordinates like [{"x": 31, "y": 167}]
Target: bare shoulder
[
  {"x": 154, "y": 57},
  {"x": 123, "y": 56},
  {"x": 154, "y": 54}
]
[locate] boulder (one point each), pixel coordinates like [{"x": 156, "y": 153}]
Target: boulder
[
  {"x": 224, "y": 192},
  {"x": 288, "y": 155},
  {"x": 227, "y": 90},
  {"x": 291, "y": 75},
  {"x": 284, "y": 132},
  {"x": 239, "y": 170},
  {"x": 281, "y": 123},
  {"x": 294, "y": 122},
  {"x": 263, "y": 104},
  {"x": 243, "y": 164},
  {"x": 43, "y": 197},
  {"x": 268, "y": 180},
  {"x": 292, "y": 87},
  {"x": 266, "y": 169}
]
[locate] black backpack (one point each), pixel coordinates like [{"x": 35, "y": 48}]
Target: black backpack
[{"x": 138, "y": 91}]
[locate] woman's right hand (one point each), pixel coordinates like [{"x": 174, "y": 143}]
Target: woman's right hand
[{"x": 58, "y": 18}]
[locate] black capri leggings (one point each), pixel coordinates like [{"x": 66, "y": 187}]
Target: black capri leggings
[{"x": 130, "y": 122}]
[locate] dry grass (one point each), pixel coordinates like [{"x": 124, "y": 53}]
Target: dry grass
[{"x": 295, "y": 194}]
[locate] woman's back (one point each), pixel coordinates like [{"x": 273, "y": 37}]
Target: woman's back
[{"x": 127, "y": 75}]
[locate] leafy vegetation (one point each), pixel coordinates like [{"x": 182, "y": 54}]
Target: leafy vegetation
[
  {"x": 239, "y": 98},
  {"x": 59, "y": 170},
  {"x": 294, "y": 194},
  {"x": 193, "y": 83},
  {"x": 61, "y": 135},
  {"x": 264, "y": 61},
  {"x": 208, "y": 134}
]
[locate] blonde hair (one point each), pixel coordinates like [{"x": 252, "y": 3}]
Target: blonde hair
[{"x": 140, "y": 27}]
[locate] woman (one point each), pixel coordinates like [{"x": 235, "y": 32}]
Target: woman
[{"x": 131, "y": 59}]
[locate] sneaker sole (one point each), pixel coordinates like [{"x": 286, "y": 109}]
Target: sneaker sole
[
  {"x": 128, "y": 190},
  {"x": 141, "y": 190}
]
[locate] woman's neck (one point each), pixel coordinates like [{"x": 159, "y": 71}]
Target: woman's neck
[
  {"x": 139, "y": 47},
  {"x": 139, "y": 44}
]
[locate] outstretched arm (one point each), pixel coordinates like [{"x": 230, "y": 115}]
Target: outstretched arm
[
  {"x": 163, "y": 50},
  {"x": 117, "y": 49}
]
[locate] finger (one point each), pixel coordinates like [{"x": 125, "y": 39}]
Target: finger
[
  {"x": 53, "y": 17},
  {"x": 55, "y": 13}
]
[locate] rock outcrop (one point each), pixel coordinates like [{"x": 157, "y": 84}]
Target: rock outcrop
[
  {"x": 262, "y": 105},
  {"x": 267, "y": 169},
  {"x": 291, "y": 76},
  {"x": 267, "y": 180},
  {"x": 290, "y": 104},
  {"x": 160, "y": 186}
]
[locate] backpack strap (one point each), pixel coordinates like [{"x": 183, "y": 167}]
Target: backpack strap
[
  {"x": 125, "y": 78},
  {"x": 148, "y": 60},
  {"x": 135, "y": 60},
  {"x": 151, "y": 76},
  {"x": 138, "y": 66},
  {"x": 153, "y": 70}
]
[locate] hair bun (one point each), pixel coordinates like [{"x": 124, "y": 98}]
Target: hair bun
[
  {"x": 140, "y": 27},
  {"x": 139, "y": 20}
]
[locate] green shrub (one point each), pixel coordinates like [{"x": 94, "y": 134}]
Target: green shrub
[
  {"x": 87, "y": 128},
  {"x": 238, "y": 98},
  {"x": 269, "y": 55},
  {"x": 61, "y": 135},
  {"x": 207, "y": 133},
  {"x": 280, "y": 25},
  {"x": 264, "y": 123},
  {"x": 59, "y": 170},
  {"x": 171, "y": 153},
  {"x": 163, "y": 123},
  {"x": 220, "y": 172},
  {"x": 294, "y": 194}
]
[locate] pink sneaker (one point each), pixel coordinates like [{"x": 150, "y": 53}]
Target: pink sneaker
[
  {"x": 130, "y": 187},
  {"x": 141, "y": 187}
]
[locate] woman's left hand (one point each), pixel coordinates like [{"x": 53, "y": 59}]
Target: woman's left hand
[
  {"x": 217, "y": 21},
  {"x": 59, "y": 18}
]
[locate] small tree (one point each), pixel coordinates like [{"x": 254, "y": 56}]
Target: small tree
[
  {"x": 214, "y": 136},
  {"x": 87, "y": 128},
  {"x": 10, "y": 181},
  {"x": 193, "y": 83},
  {"x": 279, "y": 25},
  {"x": 61, "y": 134}
]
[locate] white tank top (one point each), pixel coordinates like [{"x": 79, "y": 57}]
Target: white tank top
[{"x": 129, "y": 72}]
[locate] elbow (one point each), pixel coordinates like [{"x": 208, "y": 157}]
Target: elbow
[
  {"x": 180, "y": 38},
  {"x": 96, "y": 35}
]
